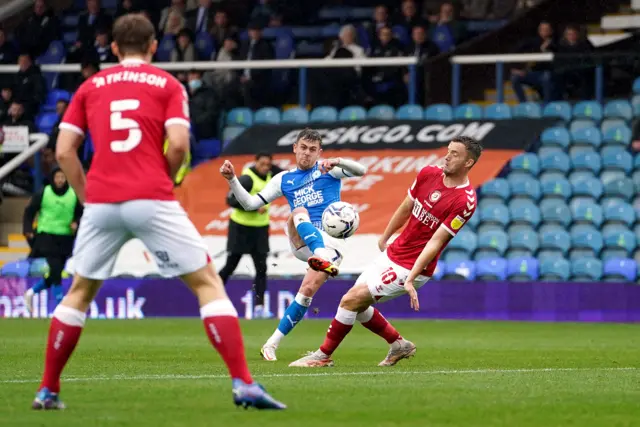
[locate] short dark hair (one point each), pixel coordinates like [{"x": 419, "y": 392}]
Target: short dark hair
[
  {"x": 309, "y": 134},
  {"x": 262, "y": 154},
  {"x": 133, "y": 33},
  {"x": 473, "y": 146}
]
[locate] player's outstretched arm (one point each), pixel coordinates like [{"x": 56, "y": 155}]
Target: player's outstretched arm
[
  {"x": 67, "y": 157},
  {"x": 178, "y": 136},
  {"x": 249, "y": 202},
  {"x": 344, "y": 168},
  {"x": 399, "y": 218}
]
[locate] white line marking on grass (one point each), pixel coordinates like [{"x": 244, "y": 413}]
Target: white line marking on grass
[{"x": 324, "y": 374}]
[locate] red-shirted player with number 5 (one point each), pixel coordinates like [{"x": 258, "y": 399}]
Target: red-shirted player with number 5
[
  {"x": 128, "y": 110},
  {"x": 440, "y": 202}
]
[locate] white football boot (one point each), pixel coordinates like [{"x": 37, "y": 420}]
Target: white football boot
[
  {"x": 316, "y": 359},
  {"x": 401, "y": 349}
]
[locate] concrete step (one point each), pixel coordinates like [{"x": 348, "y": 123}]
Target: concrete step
[
  {"x": 12, "y": 254},
  {"x": 17, "y": 241}
]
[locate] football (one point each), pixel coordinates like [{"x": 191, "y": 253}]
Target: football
[{"x": 340, "y": 220}]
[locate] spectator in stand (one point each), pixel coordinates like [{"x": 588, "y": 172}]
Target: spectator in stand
[
  {"x": 203, "y": 106},
  {"x": 125, "y": 7},
  {"x": 49, "y": 152},
  {"x": 380, "y": 20},
  {"x": 30, "y": 86},
  {"x": 276, "y": 20},
  {"x": 574, "y": 74},
  {"x": 537, "y": 75},
  {"x": 348, "y": 39},
  {"x": 226, "y": 83},
  {"x": 475, "y": 9},
  {"x": 408, "y": 16},
  {"x": 385, "y": 83},
  {"x": 262, "y": 12},
  {"x": 88, "y": 23},
  {"x": 174, "y": 24},
  {"x": 256, "y": 82},
  {"x": 7, "y": 57},
  {"x": 200, "y": 20},
  {"x": 101, "y": 50},
  {"x": 184, "y": 51},
  {"x": 38, "y": 30},
  {"x": 6, "y": 97},
  {"x": 71, "y": 82},
  {"x": 423, "y": 49},
  {"x": 447, "y": 31},
  {"x": 221, "y": 28},
  {"x": 16, "y": 116},
  {"x": 178, "y": 7}
]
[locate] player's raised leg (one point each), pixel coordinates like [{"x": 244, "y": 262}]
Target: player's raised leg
[{"x": 320, "y": 259}]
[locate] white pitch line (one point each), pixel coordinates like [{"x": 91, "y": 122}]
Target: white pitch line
[{"x": 326, "y": 374}]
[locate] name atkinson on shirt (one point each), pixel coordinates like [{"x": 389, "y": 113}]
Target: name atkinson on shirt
[{"x": 130, "y": 76}]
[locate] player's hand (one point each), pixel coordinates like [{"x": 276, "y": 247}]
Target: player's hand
[
  {"x": 413, "y": 294},
  {"x": 328, "y": 164},
  {"x": 227, "y": 170},
  {"x": 382, "y": 244},
  {"x": 74, "y": 227}
]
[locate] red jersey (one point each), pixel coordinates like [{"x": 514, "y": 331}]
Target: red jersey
[
  {"x": 126, "y": 109},
  {"x": 434, "y": 205}
]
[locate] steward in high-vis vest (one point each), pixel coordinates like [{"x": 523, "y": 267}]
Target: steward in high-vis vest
[
  {"x": 184, "y": 169},
  {"x": 249, "y": 231},
  {"x": 58, "y": 214}
]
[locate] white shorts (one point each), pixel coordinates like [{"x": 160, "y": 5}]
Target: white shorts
[
  {"x": 163, "y": 226},
  {"x": 385, "y": 279},
  {"x": 337, "y": 248}
]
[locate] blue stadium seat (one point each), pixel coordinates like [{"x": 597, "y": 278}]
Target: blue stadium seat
[
  {"x": 459, "y": 270},
  {"x": 635, "y": 104},
  {"x": 70, "y": 21},
  {"x": 331, "y": 31},
  {"x": 15, "y": 269},
  {"x": 473, "y": 221},
  {"x": 352, "y": 112},
  {"x": 559, "y": 110},
  {"x": 524, "y": 187},
  {"x": 496, "y": 188},
  {"x": 204, "y": 46},
  {"x": 614, "y": 158},
  {"x": 323, "y": 114},
  {"x": 309, "y": 49},
  {"x": 466, "y": 241},
  {"x": 618, "y": 109},
  {"x": 587, "y": 110},
  {"x": 591, "y": 187},
  {"x": 620, "y": 270},
  {"x": 581, "y": 175},
  {"x": 556, "y": 161},
  {"x": 409, "y": 112},
  {"x": 268, "y": 115},
  {"x": 576, "y": 125},
  {"x": 587, "y": 240},
  {"x": 39, "y": 267},
  {"x": 554, "y": 239},
  {"x": 165, "y": 47},
  {"x": 522, "y": 269},
  {"x": 206, "y": 149},
  {"x": 284, "y": 48},
  {"x": 491, "y": 269},
  {"x": 587, "y": 138},
  {"x": 231, "y": 132},
  {"x": 555, "y": 270},
  {"x": 527, "y": 110},
  {"x": 524, "y": 241},
  {"x": 524, "y": 212},
  {"x": 491, "y": 244},
  {"x": 620, "y": 189},
  {"x": 620, "y": 239},
  {"x": 307, "y": 32},
  {"x": 609, "y": 123},
  {"x": 637, "y": 231},
  {"x": 439, "y": 271},
  {"x": 559, "y": 188},
  {"x": 556, "y": 137},
  {"x": 526, "y": 162},
  {"x": 617, "y": 136},
  {"x": 497, "y": 111},
  {"x": 587, "y": 213},
  {"x": 296, "y": 115},
  {"x": 586, "y": 160},
  {"x": 441, "y": 112},
  {"x": 381, "y": 112},
  {"x": 586, "y": 270},
  {"x": 402, "y": 34},
  {"x": 555, "y": 211},
  {"x": 54, "y": 54},
  {"x": 46, "y": 121},
  {"x": 53, "y": 97},
  {"x": 240, "y": 116},
  {"x": 495, "y": 214},
  {"x": 636, "y": 161},
  {"x": 636, "y": 86},
  {"x": 619, "y": 213},
  {"x": 636, "y": 179},
  {"x": 450, "y": 254},
  {"x": 468, "y": 111}
]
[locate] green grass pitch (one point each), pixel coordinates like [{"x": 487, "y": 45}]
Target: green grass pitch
[{"x": 163, "y": 373}]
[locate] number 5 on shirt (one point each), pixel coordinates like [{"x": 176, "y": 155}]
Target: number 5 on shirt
[{"x": 120, "y": 123}]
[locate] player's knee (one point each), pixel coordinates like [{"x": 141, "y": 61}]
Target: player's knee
[
  {"x": 350, "y": 301},
  {"x": 298, "y": 211}
]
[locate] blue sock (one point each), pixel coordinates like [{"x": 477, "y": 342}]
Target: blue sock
[
  {"x": 311, "y": 236},
  {"x": 294, "y": 314},
  {"x": 57, "y": 293},
  {"x": 40, "y": 286}
]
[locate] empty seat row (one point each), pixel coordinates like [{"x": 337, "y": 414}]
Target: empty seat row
[{"x": 585, "y": 137}]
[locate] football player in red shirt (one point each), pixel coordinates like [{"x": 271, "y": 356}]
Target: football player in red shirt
[
  {"x": 128, "y": 192},
  {"x": 439, "y": 203}
]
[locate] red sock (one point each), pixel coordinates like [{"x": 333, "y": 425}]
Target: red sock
[
  {"x": 64, "y": 333},
  {"x": 223, "y": 329},
  {"x": 380, "y": 326},
  {"x": 336, "y": 333}
]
